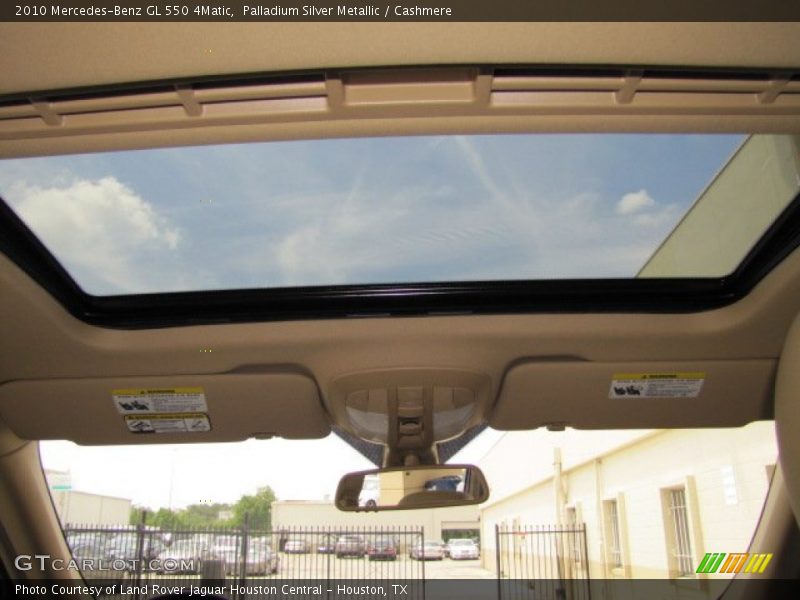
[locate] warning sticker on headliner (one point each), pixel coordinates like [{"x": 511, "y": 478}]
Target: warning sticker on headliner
[
  {"x": 177, "y": 423},
  {"x": 160, "y": 400},
  {"x": 656, "y": 385}
]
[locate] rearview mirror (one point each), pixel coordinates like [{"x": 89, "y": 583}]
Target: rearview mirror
[{"x": 399, "y": 488}]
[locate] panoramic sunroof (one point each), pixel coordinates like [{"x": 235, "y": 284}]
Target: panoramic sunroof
[{"x": 405, "y": 209}]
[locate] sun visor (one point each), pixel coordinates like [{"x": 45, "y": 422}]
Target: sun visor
[
  {"x": 624, "y": 395},
  {"x": 183, "y": 409}
]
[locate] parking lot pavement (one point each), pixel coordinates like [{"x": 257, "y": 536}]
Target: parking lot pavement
[
  {"x": 456, "y": 569},
  {"x": 313, "y": 566}
]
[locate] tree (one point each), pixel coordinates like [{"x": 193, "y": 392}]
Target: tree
[
  {"x": 166, "y": 519},
  {"x": 256, "y": 509},
  {"x": 136, "y": 515},
  {"x": 204, "y": 515}
]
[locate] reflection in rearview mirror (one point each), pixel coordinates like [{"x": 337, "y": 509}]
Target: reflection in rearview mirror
[{"x": 412, "y": 487}]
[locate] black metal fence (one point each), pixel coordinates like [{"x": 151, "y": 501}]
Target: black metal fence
[
  {"x": 532, "y": 562},
  {"x": 545, "y": 562},
  {"x": 142, "y": 554}
]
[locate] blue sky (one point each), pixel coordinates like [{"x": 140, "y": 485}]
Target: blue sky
[{"x": 377, "y": 210}]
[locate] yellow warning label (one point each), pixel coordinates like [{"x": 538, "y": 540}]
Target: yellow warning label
[
  {"x": 657, "y": 385},
  {"x": 168, "y": 423},
  {"x": 680, "y": 375},
  {"x": 156, "y": 391},
  {"x": 137, "y": 401}
]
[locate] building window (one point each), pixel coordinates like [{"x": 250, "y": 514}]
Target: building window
[
  {"x": 614, "y": 545},
  {"x": 680, "y": 531}
]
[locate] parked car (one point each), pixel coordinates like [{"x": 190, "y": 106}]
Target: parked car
[
  {"x": 230, "y": 551},
  {"x": 125, "y": 546},
  {"x": 88, "y": 544},
  {"x": 370, "y": 491},
  {"x": 427, "y": 551},
  {"x": 221, "y": 540},
  {"x": 350, "y": 545},
  {"x": 184, "y": 556},
  {"x": 261, "y": 559},
  {"x": 84, "y": 551},
  {"x": 448, "y": 483},
  {"x": 295, "y": 546},
  {"x": 382, "y": 549},
  {"x": 462, "y": 549},
  {"x": 327, "y": 545},
  {"x": 206, "y": 539}
]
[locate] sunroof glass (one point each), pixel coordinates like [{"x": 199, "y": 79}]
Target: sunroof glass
[{"x": 405, "y": 209}]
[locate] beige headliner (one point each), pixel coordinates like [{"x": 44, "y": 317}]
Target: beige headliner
[
  {"x": 41, "y": 341},
  {"x": 37, "y": 56},
  {"x": 48, "y": 343}
]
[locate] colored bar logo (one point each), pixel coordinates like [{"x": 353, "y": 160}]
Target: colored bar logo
[{"x": 720, "y": 562}]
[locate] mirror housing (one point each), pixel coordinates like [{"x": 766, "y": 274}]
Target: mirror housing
[{"x": 403, "y": 488}]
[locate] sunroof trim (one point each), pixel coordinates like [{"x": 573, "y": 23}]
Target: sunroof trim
[{"x": 402, "y": 100}]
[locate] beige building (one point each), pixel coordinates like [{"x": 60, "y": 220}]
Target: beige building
[
  {"x": 82, "y": 508},
  {"x": 653, "y": 502},
  {"x": 766, "y": 167}
]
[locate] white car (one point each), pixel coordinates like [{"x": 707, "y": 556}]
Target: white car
[
  {"x": 463, "y": 549},
  {"x": 183, "y": 556},
  {"x": 295, "y": 546},
  {"x": 428, "y": 551},
  {"x": 370, "y": 492},
  {"x": 261, "y": 559}
]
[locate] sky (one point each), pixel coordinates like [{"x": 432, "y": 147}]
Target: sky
[
  {"x": 321, "y": 212},
  {"x": 376, "y": 210},
  {"x": 177, "y": 475}
]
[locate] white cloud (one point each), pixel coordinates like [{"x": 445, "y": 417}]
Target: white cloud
[
  {"x": 665, "y": 216},
  {"x": 635, "y": 202},
  {"x": 478, "y": 166},
  {"x": 486, "y": 231},
  {"x": 345, "y": 238},
  {"x": 100, "y": 229}
]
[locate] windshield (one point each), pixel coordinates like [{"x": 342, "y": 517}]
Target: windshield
[
  {"x": 405, "y": 209},
  {"x": 639, "y": 504}
]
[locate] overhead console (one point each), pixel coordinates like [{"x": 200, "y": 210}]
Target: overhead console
[
  {"x": 632, "y": 395},
  {"x": 410, "y": 410},
  {"x": 170, "y": 409}
]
